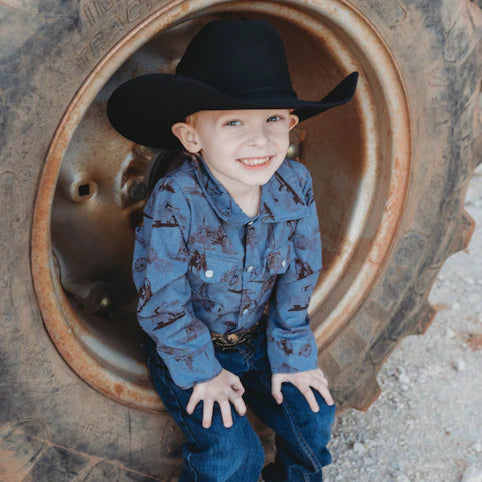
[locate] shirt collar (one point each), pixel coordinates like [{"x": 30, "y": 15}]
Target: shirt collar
[{"x": 281, "y": 197}]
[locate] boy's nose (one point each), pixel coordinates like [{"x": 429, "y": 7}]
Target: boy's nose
[{"x": 258, "y": 138}]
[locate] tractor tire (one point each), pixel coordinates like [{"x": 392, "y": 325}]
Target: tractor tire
[{"x": 53, "y": 424}]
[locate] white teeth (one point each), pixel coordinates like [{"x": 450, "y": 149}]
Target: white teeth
[{"x": 255, "y": 161}]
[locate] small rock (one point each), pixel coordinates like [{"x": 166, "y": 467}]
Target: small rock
[
  {"x": 459, "y": 365},
  {"x": 403, "y": 378},
  {"x": 477, "y": 447},
  {"x": 395, "y": 464},
  {"x": 359, "y": 448},
  {"x": 434, "y": 370},
  {"x": 473, "y": 474},
  {"x": 456, "y": 305},
  {"x": 449, "y": 333},
  {"x": 404, "y": 478}
]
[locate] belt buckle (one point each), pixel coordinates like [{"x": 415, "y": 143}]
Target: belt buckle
[{"x": 227, "y": 342}]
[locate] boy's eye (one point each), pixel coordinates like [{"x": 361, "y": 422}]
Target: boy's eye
[
  {"x": 233, "y": 123},
  {"x": 275, "y": 118}
]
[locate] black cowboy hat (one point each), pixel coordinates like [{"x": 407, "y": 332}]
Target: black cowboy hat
[{"x": 228, "y": 65}]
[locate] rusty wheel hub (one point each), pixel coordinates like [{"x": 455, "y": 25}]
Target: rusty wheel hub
[{"x": 93, "y": 185}]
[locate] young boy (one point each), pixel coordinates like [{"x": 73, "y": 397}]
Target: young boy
[{"x": 229, "y": 253}]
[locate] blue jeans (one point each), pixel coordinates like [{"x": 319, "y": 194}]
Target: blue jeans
[{"x": 236, "y": 454}]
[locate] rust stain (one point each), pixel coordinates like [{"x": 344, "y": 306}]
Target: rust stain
[
  {"x": 118, "y": 388},
  {"x": 62, "y": 323},
  {"x": 441, "y": 306},
  {"x": 472, "y": 340}
]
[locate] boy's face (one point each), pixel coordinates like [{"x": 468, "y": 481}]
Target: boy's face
[{"x": 242, "y": 148}]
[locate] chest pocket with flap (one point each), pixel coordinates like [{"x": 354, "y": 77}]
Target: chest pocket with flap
[
  {"x": 279, "y": 259},
  {"x": 211, "y": 268}
]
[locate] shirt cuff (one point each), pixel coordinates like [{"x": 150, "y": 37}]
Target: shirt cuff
[
  {"x": 195, "y": 367},
  {"x": 292, "y": 353}
]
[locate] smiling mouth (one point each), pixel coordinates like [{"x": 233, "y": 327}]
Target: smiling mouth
[{"x": 255, "y": 161}]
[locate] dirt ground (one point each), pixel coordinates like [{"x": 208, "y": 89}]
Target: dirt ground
[{"x": 427, "y": 423}]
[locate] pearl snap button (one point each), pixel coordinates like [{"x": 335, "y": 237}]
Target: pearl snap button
[
  {"x": 245, "y": 311},
  {"x": 251, "y": 222},
  {"x": 249, "y": 269},
  {"x": 283, "y": 263},
  {"x": 209, "y": 273}
]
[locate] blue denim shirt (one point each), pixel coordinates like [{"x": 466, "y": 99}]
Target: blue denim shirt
[{"x": 202, "y": 265}]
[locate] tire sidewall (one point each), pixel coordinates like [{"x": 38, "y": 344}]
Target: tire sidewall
[{"x": 48, "y": 50}]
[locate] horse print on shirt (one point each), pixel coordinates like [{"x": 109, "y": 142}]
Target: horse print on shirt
[
  {"x": 202, "y": 298},
  {"x": 197, "y": 261},
  {"x": 306, "y": 350},
  {"x": 145, "y": 294},
  {"x": 208, "y": 237},
  {"x": 284, "y": 186},
  {"x": 298, "y": 302},
  {"x": 303, "y": 269},
  {"x": 285, "y": 346},
  {"x": 167, "y": 313},
  {"x": 192, "y": 331}
]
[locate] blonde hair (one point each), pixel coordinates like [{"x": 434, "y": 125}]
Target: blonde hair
[{"x": 191, "y": 119}]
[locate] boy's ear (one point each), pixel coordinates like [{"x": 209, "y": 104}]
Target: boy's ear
[
  {"x": 294, "y": 120},
  {"x": 187, "y": 135}
]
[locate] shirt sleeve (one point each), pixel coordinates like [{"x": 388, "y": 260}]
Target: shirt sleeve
[
  {"x": 291, "y": 343},
  {"x": 164, "y": 311}
]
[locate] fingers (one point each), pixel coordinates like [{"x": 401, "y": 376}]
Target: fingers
[
  {"x": 239, "y": 405},
  {"x": 324, "y": 392},
  {"x": 224, "y": 404},
  {"x": 236, "y": 397},
  {"x": 322, "y": 386},
  {"x": 310, "y": 398},
  {"x": 193, "y": 401},
  {"x": 303, "y": 381},
  {"x": 276, "y": 388},
  {"x": 237, "y": 386},
  {"x": 226, "y": 413},
  {"x": 225, "y": 408},
  {"x": 207, "y": 412}
]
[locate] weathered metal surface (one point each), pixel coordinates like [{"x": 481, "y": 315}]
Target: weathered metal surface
[{"x": 90, "y": 191}]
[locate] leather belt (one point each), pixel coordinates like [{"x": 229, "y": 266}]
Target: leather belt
[{"x": 229, "y": 341}]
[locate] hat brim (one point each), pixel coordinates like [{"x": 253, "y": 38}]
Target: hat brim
[{"x": 143, "y": 109}]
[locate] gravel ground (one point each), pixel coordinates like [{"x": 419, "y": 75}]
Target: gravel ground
[{"x": 427, "y": 423}]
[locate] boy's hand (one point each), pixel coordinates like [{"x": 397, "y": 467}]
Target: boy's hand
[
  {"x": 303, "y": 381},
  {"x": 224, "y": 388}
]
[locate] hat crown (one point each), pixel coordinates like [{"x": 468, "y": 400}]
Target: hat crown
[
  {"x": 228, "y": 65},
  {"x": 238, "y": 57}
]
